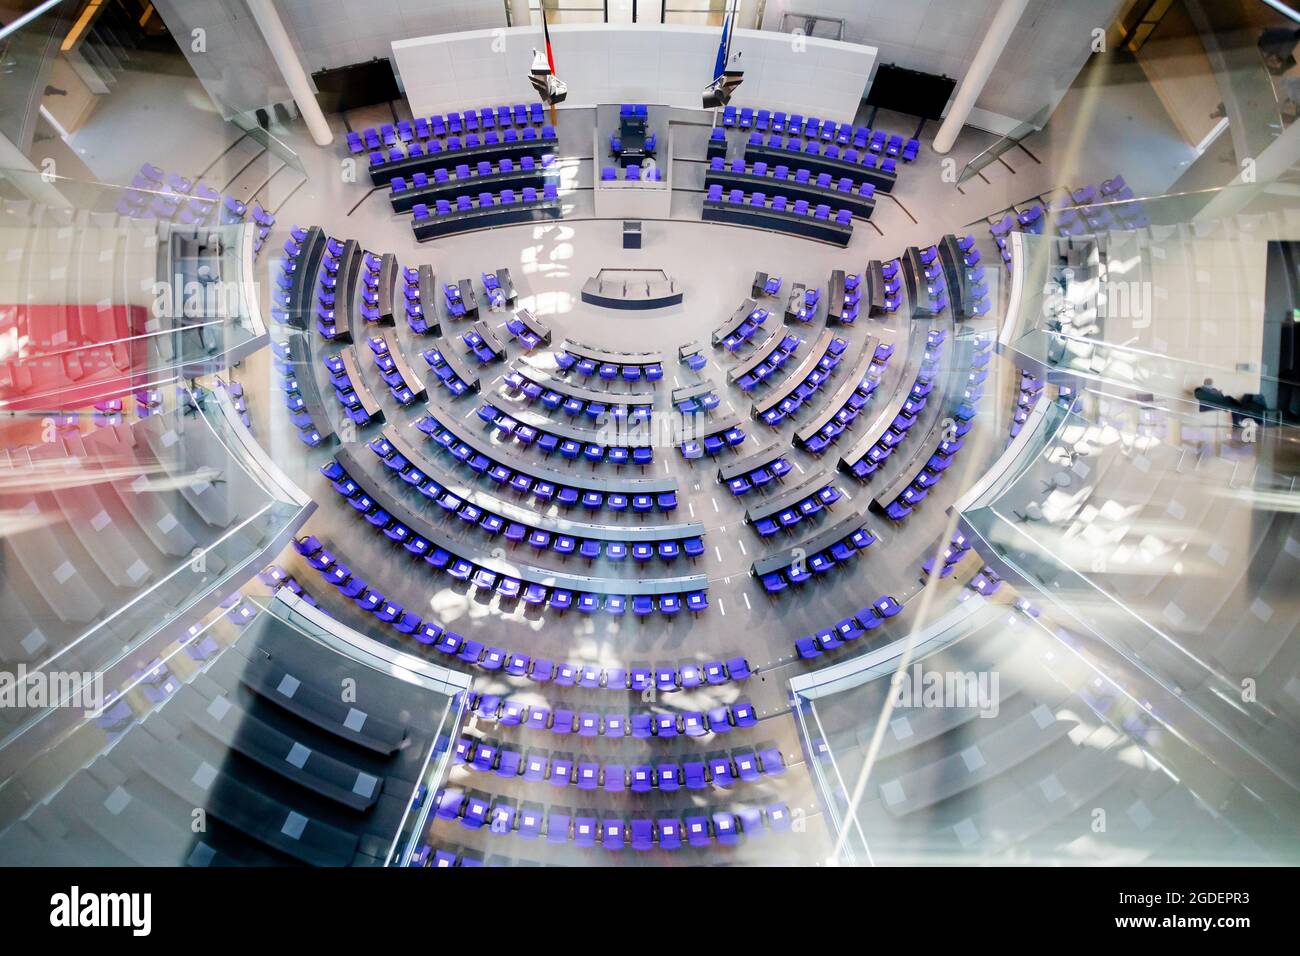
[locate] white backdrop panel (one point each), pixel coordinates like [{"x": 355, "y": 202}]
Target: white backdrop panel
[{"x": 605, "y": 63}]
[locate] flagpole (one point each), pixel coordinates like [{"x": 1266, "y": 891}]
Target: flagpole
[
  {"x": 724, "y": 48},
  {"x": 550, "y": 57}
]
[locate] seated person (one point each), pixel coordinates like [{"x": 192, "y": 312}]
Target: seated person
[{"x": 1248, "y": 406}]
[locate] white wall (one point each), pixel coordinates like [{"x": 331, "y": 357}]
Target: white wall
[
  {"x": 1049, "y": 47},
  {"x": 602, "y": 63},
  {"x": 332, "y": 33}
]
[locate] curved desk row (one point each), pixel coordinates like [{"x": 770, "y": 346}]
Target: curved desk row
[
  {"x": 808, "y": 376},
  {"x": 442, "y": 549},
  {"x": 805, "y": 551},
  {"x": 765, "y": 217},
  {"x": 786, "y": 498},
  {"x": 404, "y": 200},
  {"x": 816, "y": 163},
  {"x": 382, "y": 174},
  {"x": 747, "y": 182},
  {"x": 392, "y": 434},
  {"x": 836, "y": 403},
  {"x": 581, "y": 393},
  {"x": 540, "y": 210},
  {"x": 466, "y": 447},
  {"x": 744, "y": 312}
]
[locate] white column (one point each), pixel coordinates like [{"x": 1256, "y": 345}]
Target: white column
[
  {"x": 286, "y": 58},
  {"x": 747, "y": 15},
  {"x": 519, "y": 13},
  {"x": 981, "y": 68}
]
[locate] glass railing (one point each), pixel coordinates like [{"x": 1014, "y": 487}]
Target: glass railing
[
  {"x": 209, "y": 661},
  {"x": 1131, "y": 306},
  {"x": 1162, "y": 532},
  {"x": 104, "y": 297},
  {"x": 447, "y": 688},
  {"x": 195, "y": 467},
  {"x": 987, "y": 157},
  {"x": 26, "y": 55},
  {"x": 905, "y": 745}
]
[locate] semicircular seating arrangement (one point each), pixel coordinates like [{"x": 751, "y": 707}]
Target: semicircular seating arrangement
[{"x": 490, "y": 462}]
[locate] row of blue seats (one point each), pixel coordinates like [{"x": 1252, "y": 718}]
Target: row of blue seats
[
  {"x": 844, "y": 134},
  {"x": 848, "y": 629},
  {"x": 299, "y": 415},
  {"x": 637, "y": 679},
  {"x": 745, "y": 331},
  {"x": 805, "y": 307},
  {"x": 800, "y": 570},
  {"x": 1112, "y": 206},
  {"x": 481, "y": 348},
  {"x": 345, "y": 390},
  {"x": 437, "y": 127},
  {"x": 618, "y": 408},
  {"x": 496, "y": 295},
  {"x": 520, "y": 331},
  {"x": 388, "y": 370},
  {"x": 616, "y": 144},
  {"x": 892, "y": 290},
  {"x": 916, "y": 400},
  {"x": 632, "y": 172},
  {"x": 852, "y": 299},
  {"x": 440, "y": 176},
  {"x": 779, "y": 204},
  {"x": 539, "y": 489},
  {"x": 977, "y": 289},
  {"x": 774, "y": 470},
  {"x": 456, "y": 306},
  {"x": 801, "y": 177},
  {"x": 509, "y": 588},
  {"x": 445, "y": 372},
  {"x": 609, "y": 371},
  {"x": 464, "y": 204},
  {"x": 155, "y": 195},
  {"x": 853, "y": 157},
  {"x": 356, "y": 589},
  {"x": 953, "y": 552},
  {"x": 936, "y": 289},
  {"x": 395, "y": 154},
  {"x": 698, "y": 404},
  {"x": 518, "y": 532},
  {"x": 563, "y": 770},
  {"x": 806, "y": 507},
  {"x": 847, "y": 413},
  {"x": 932, "y": 472},
  {"x": 415, "y": 317},
  {"x": 582, "y": 830},
  {"x": 808, "y": 386},
  {"x": 1087, "y": 209},
  {"x": 644, "y": 725},
  {"x": 307, "y": 430},
  {"x": 785, "y": 346},
  {"x": 570, "y": 448},
  {"x": 371, "y": 265},
  {"x": 711, "y": 444},
  {"x": 1026, "y": 398}
]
